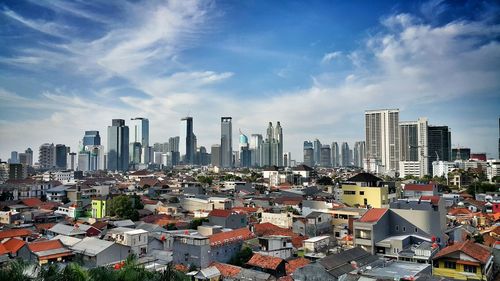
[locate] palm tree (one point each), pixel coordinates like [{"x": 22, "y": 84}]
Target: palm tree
[{"x": 19, "y": 270}]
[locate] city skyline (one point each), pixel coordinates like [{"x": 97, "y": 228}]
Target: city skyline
[{"x": 57, "y": 82}]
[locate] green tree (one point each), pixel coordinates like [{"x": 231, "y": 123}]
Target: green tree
[
  {"x": 123, "y": 207},
  {"x": 205, "y": 180},
  {"x": 325, "y": 181},
  {"x": 241, "y": 257},
  {"x": 197, "y": 222}
]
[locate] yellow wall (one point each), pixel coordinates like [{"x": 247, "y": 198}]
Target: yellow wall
[
  {"x": 99, "y": 206},
  {"x": 376, "y": 196},
  {"x": 456, "y": 273}
]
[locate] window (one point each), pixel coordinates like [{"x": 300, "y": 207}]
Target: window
[
  {"x": 397, "y": 227},
  {"x": 450, "y": 264},
  {"x": 349, "y": 192},
  {"x": 361, "y": 193},
  {"x": 416, "y": 230},
  {"x": 319, "y": 219},
  {"x": 470, "y": 268},
  {"x": 404, "y": 228}
]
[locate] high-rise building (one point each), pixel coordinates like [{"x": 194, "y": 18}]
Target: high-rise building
[
  {"x": 61, "y": 156},
  {"x": 278, "y": 139},
  {"x": 118, "y": 146},
  {"x": 29, "y": 156},
  {"x": 14, "y": 157},
  {"x": 187, "y": 145},
  {"x": 47, "y": 156},
  {"x": 256, "y": 149},
  {"x": 460, "y": 153},
  {"x": 272, "y": 148},
  {"x": 287, "y": 158},
  {"x": 439, "y": 144},
  {"x": 226, "y": 142},
  {"x": 72, "y": 161},
  {"x": 91, "y": 138},
  {"x": 173, "y": 148},
  {"x": 335, "y": 155},
  {"x": 134, "y": 152},
  {"x": 359, "y": 154},
  {"x": 308, "y": 154},
  {"x": 413, "y": 146},
  {"x": 139, "y": 131},
  {"x": 325, "y": 157},
  {"x": 345, "y": 152},
  {"x": 215, "y": 155},
  {"x": 317, "y": 151},
  {"x": 382, "y": 137}
]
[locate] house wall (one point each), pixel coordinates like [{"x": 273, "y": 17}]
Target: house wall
[
  {"x": 284, "y": 220},
  {"x": 457, "y": 273},
  {"x": 113, "y": 254},
  {"x": 188, "y": 254},
  {"x": 224, "y": 253},
  {"x": 377, "y": 197}
]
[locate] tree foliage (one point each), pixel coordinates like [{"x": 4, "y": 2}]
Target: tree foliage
[
  {"x": 125, "y": 207},
  {"x": 325, "y": 181},
  {"x": 197, "y": 222},
  {"x": 481, "y": 187},
  {"x": 205, "y": 180},
  {"x": 130, "y": 271},
  {"x": 241, "y": 257}
]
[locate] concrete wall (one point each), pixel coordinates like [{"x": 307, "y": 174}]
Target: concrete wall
[{"x": 187, "y": 254}]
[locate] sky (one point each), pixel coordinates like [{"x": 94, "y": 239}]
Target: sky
[{"x": 315, "y": 66}]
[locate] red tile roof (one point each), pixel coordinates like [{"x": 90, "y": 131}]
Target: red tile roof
[
  {"x": 156, "y": 218},
  {"x": 246, "y": 209},
  {"x": 32, "y": 202},
  {"x": 479, "y": 252},
  {"x": 231, "y": 236},
  {"x": 100, "y": 224},
  {"x": 373, "y": 215},
  {"x": 45, "y": 245},
  {"x": 44, "y": 226},
  {"x": 267, "y": 262},
  {"x": 10, "y": 233},
  {"x": 221, "y": 213},
  {"x": 13, "y": 245},
  {"x": 3, "y": 250},
  {"x": 459, "y": 211},
  {"x": 475, "y": 202},
  {"x": 227, "y": 270},
  {"x": 434, "y": 199},
  {"x": 295, "y": 264},
  {"x": 267, "y": 228},
  {"x": 419, "y": 187},
  {"x": 49, "y": 205}
]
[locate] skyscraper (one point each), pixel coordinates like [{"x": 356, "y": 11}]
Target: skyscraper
[
  {"x": 278, "y": 139},
  {"x": 308, "y": 154},
  {"x": 91, "y": 138},
  {"x": 256, "y": 149},
  {"x": 326, "y": 154},
  {"x": 359, "y": 153},
  {"x": 29, "y": 156},
  {"x": 272, "y": 148},
  {"x": 14, "y": 157},
  {"x": 226, "y": 142},
  {"x": 413, "y": 143},
  {"x": 335, "y": 155},
  {"x": 439, "y": 143},
  {"x": 245, "y": 154},
  {"x": 139, "y": 131},
  {"x": 187, "y": 140},
  {"x": 47, "y": 156},
  {"x": 345, "y": 152},
  {"x": 215, "y": 155},
  {"x": 61, "y": 156},
  {"x": 118, "y": 146},
  {"x": 382, "y": 137},
  {"x": 317, "y": 151}
]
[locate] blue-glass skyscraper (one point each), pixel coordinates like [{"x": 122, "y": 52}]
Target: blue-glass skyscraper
[
  {"x": 118, "y": 146},
  {"x": 91, "y": 138}
]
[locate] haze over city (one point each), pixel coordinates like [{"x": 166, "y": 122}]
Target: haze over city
[{"x": 67, "y": 67}]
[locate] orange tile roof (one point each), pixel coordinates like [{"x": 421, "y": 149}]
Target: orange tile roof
[
  {"x": 267, "y": 262},
  {"x": 32, "y": 202},
  {"x": 295, "y": 264},
  {"x": 434, "y": 199},
  {"x": 231, "y": 236},
  {"x": 267, "y": 228},
  {"x": 3, "y": 250},
  {"x": 45, "y": 245},
  {"x": 248, "y": 209},
  {"x": 220, "y": 213},
  {"x": 49, "y": 205},
  {"x": 373, "y": 215},
  {"x": 227, "y": 270},
  {"x": 44, "y": 226},
  {"x": 479, "y": 252},
  {"x": 13, "y": 245},
  {"x": 459, "y": 211},
  {"x": 9, "y": 233}
]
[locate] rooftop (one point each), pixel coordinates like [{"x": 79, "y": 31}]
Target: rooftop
[
  {"x": 474, "y": 250},
  {"x": 373, "y": 215},
  {"x": 267, "y": 262},
  {"x": 231, "y": 236}
]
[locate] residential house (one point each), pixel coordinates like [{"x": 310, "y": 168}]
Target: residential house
[
  {"x": 282, "y": 219},
  {"x": 276, "y": 246},
  {"x": 228, "y": 218},
  {"x": 272, "y": 265},
  {"x": 67, "y": 230},
  {"x": 464, "y": 261},
  {"x": 136, "y": 239},
  {"x": 13, "y": 245},
  {"x": 57, "y": 193},
  {"x": 211, "y": 203},
  {"x": 317, "y": 244},
  {"x": 10, "y": 217},
  {"x": 314, "y": 224},
  {"x": 95, "y": 252},
  {"x": 45, "y": 251},
  {"x": 224, "y": 245},
  {"x": 210, "y": 273},
  {"x": 423, "y": 219},
  {"x": 232, "y": 272},
  {"x": 343, "y": 218},
  {"x": 20, "y": 233},
  {"x": 100, "y": 208},
  {"x": 191, "y": 250},
  {"x": 417, "y": 190},
  {"x": 365, "y": 189}
]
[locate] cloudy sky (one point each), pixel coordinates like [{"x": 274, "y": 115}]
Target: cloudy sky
[{"x": 316, "y": 66}]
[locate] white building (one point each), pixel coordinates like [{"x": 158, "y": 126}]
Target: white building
[
  {"x": 62, "y": 176},
  {"x": 136, "y": 239},
  {"x": 382, "y": 137},
  {"x": 414, "y": 143},
  {"x": 316, "y": 244},
  {"x": 442, "y": 168},
  {"x": 284, "y": 220},
  {"x": 410, "y": 168},
  {"x": 492, "y": 169}
]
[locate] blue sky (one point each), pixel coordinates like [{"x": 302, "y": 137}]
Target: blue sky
[{"x": 71, "y": 66}]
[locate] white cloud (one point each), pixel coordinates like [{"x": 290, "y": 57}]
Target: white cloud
[{"x": 331, "y": 56}]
